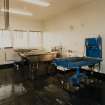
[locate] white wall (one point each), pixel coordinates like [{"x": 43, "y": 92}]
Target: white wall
[
  {"x": 1, "y": 22},
  {"x": 71, "y": 28},
  {"x": 22, "y": 23}
]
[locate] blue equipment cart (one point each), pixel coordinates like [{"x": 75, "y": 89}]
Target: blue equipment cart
[{"x": 93, "y": 56}]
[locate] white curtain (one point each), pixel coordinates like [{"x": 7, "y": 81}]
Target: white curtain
[
  {"x": 34, "y": 40},
  {"x": 19, "y": 39},
  {"x": 5, "y": 39}
]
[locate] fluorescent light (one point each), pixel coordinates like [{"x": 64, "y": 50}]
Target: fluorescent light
[
  {"x": 13, "y": 11},
  {"x": 38, "y": 2}
]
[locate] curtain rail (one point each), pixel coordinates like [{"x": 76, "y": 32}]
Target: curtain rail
[{"x": 19, "y": 30}]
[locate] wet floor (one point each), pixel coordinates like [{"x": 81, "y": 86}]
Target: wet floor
[
  {"x": 16, "y": 90},
  {"x": 8, "y": 86},
  {"x": 43, "y": 90}
]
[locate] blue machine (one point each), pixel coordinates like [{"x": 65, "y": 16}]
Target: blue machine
[
  {"x": 94, "y": 47},
  {"x": 93, "y": 57}
]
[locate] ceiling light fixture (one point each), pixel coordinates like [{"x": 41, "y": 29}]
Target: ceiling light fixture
[
  {"x": 13, "y": 11},
  {"x": 38, "y": 2}
]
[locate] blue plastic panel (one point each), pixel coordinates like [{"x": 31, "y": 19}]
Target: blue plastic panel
[{"x": 94, "y": 47}]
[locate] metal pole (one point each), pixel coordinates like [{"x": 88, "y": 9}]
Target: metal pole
[{"x": 6, "y": 14}]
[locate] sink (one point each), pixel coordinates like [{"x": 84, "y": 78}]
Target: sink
[
  {"x": 41, "y": 57},
  {"x": 47, "y": 57}
]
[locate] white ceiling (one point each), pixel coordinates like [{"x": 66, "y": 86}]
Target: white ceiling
[{"x": 42, "y": 13}]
